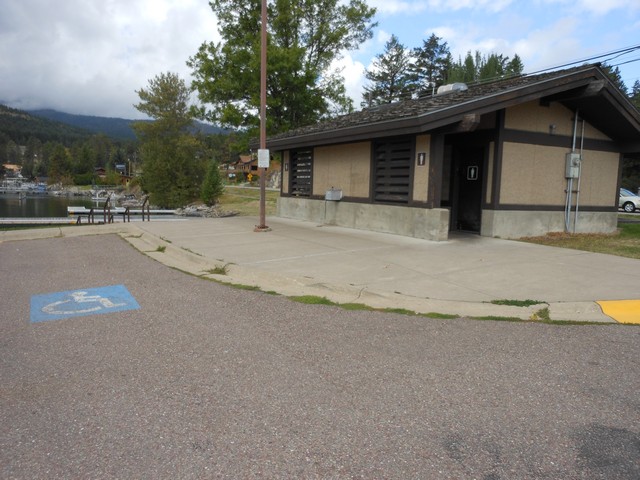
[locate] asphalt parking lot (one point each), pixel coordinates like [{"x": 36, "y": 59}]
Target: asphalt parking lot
[{"x": 202, "y": 380}]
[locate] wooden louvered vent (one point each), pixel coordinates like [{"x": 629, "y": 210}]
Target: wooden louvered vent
[
  {"x": 301, "y": 169},
  {"x": 392, "y": 160}
]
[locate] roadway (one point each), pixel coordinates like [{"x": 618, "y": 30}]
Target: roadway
[{"x": 189, "y": 378}]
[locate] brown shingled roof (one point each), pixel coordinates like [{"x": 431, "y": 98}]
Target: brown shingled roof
[{"x": 430, "y": 112}]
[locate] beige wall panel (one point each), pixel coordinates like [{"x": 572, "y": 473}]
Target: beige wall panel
[
  {"x": 532, "y": 175},
  {"x": 598, "y": 179},
  {"x": 532, "y": 117},
  {"x": 421, "y": 173},
  {"x": 285, "y": 171},
  {"x": 489, "y": 174},
  {"x": 345, "y": 167},
  {"x": 590, "y": 132}
]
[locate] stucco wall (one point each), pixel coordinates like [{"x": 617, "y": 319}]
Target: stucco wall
[
  {"x": 599, "y": 178},
  {"x": 532, "y": 175},
  {"x": 345, "y": 167},
  {"x": 285, "y": 171},
  {"x": 535, "y": 175},
  {"x": 489, "y": 174},
  {"x": 532, "y": 117},
  {"x": 421, "y": 172}
]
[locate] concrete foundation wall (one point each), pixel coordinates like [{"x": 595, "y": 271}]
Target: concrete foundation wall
[
  {"x": 429, "y": 224},
  {"x": 518, "y": 224}
]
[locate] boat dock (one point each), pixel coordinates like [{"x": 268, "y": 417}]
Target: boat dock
[
  {"x": 38, "y": 221},
  {"x": 119, "y": 211},
  {"x": 82, "y": 215}
]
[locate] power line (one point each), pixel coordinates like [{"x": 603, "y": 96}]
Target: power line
[{"x": 618, "y": 53}]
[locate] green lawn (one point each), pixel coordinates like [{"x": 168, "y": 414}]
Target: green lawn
[
  {"x": 624, "y": 243},
  {"x": 246, "y": 201}
]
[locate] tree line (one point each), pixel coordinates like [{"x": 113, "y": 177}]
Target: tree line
[
  {"x": 80, "y": 158},
  {"x": 400, "y": 73},
  {"x": 63, "y": 161}
]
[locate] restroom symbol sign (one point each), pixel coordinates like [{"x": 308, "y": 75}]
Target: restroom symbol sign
[
  {"x": 472, "y": 172},
  {"x": 86, "y": 301}
]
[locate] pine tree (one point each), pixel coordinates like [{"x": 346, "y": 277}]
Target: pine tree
[
  {"x": 390, "y": 77},
  {"x": 635, "y": 94},
  {"x": 212, "y": 186},
  {"x": 431, "y": 64},
  {"x": 616, "y": 77}
]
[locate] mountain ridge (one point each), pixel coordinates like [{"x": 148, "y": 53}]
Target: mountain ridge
[
  {"x": 19, "y": 126},
  {"x": 114, "y": 127}
]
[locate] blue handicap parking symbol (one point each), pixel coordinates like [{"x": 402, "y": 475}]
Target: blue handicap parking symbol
[{"x": 77, "y": 303}]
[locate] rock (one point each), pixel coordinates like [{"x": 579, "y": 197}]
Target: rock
[{"x": 204, "y": 211}]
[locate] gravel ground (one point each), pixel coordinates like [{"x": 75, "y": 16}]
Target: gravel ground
[{"x": 208, "y": 381}]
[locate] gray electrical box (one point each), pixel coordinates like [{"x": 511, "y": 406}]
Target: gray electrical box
[{"x": 573, "y": 160}]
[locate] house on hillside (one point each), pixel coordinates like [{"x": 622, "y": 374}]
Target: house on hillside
[
  {"x": 12, "y": 170},
  {"x": 247, "y": 164},
  {"x": 517, "y": 157}
]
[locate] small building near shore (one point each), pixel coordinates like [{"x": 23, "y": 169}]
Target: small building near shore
[
  {"x": 521, "y": 156},
  {"x": 12, "y": 170}
]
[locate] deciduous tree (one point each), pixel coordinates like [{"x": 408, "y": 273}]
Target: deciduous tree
[{"x": 305, "y": 38}]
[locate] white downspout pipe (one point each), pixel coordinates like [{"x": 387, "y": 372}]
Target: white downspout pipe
[
  {"x": 567, "y": 207},
  {"x": 575, "y": 218}
]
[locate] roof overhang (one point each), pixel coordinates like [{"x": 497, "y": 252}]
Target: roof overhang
[{"x": 588, "y": 91}]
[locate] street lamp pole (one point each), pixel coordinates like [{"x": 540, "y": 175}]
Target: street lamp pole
[{"x": 263, "y": 115}]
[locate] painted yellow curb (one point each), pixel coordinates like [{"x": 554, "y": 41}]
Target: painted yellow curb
[{"x": 623, "y": 311}]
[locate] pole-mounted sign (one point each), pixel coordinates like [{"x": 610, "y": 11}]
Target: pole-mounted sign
[{"x": 263, "y": 158}]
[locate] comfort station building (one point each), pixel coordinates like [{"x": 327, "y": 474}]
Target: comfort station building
[{"x": 517, "y": 157}]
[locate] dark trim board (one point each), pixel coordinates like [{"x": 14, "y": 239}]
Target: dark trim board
[
  {"x": 496, "y": 183},
  {"x": 504, "y": 207},
  {"x": 550, "y": 208},
  {"x": 548, "y": 140}
]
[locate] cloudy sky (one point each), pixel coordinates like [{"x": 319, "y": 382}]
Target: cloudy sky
[{"x": 89, "y": 56}]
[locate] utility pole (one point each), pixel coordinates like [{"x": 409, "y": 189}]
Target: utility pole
[{"x": 263, "y": 152}]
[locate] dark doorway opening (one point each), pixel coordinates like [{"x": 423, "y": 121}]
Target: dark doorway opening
[{"x": 466, "y": 188}]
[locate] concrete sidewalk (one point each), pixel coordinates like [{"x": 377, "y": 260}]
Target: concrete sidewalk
[{"x": 460, "y": 276}]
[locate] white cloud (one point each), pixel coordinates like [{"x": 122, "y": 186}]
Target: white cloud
[
  {"x": 90, "y": 57},
  {"x": 353, "y": 73},
  {"x": 383, "y": 37},
  {"x": 485, "y": 5},
  {"x": 596, "y": 7},
  {"x": 392, "y": 7},
  {"x": 543, "y": 47},
  {"x": 552, "y": 46}
]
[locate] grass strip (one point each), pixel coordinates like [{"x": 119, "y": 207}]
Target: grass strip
[
  {"x": 517, "y": 303},
  {"x": 624, "y": 243}
]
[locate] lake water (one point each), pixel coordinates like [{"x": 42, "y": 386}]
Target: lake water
[{"x": 36, "y": 206}]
